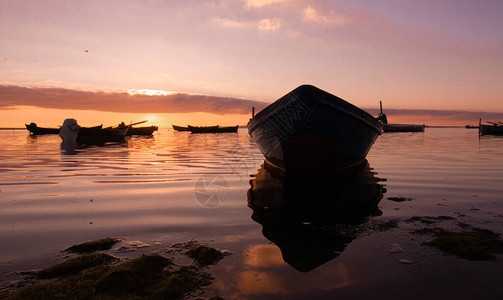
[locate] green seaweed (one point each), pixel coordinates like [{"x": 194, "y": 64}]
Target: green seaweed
[
  {"x": 74, "y": 265},
  {"x": 93, "y": 246},
  {"x": 133, "y": 277},
  {"x": 204, "y": 255},
  {"x": 91, "y": 276},
  {"x": 479, "y": 244},
  {"x": 181, "y": 282}
]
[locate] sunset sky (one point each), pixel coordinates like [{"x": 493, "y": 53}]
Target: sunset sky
[{"x": 209, "y": 62}]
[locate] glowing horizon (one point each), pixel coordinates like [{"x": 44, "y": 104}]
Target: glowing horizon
[{"x": 230, "y": 55}]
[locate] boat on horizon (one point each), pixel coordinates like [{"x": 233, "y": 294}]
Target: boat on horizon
[
  {"x": 403, "y": 128},
  {"x": 212, "y": 129},
  {"x": 496, "y": 128},
  {"x": 180, "y": 128},
  {"x": 35, "y": 130},
  {"x": 146, "y": 130},
  {"x": 393, "y": 127},
  {"x": 310, "y": 128},
  {"x": 72, "y": 134}
]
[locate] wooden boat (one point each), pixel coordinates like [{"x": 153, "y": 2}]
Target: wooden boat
[
  {"x": 496, "y": 128},
  {"x": 35, "y": 130},
  {"x": 180, "y": 128},
  {"x": 212, "y": 129},
  {"x": 398, "y": 127},
  {"x": 72, "y": 133},
  {"x": 147, "y": 130},
  {"x": 402, "y": 128},
  {"x": 310, "y": 128}
]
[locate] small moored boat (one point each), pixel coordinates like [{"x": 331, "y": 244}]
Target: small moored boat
[
  {"x": 147, "y": 130},
  {"x": 387, "y": 127},
  {"x": 212, "y": 129},
  {"x": 180, "y": 128},
  {"x": 71, "y": 132},
  {"x": 403, "y": 128},
  {"x": 310, "y": 128},
  {"x": 496, "y": 128},
  {"x": 35, "y": 130}
]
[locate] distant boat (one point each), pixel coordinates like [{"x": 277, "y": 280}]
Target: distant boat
[
  {"x": 467, "y": 126},
  {"x": 71, "y": 133},
  {"x": 402, "y": 128},
  {"x": 147, "y": 130},
  {"x": 496, "y": 128},
  {"x": 180, "y": 128},
  {"x": 212, "y": 129},
  {"x": 35, "y": 130},
  {"x": 310, "y": 128},
  {"x": 387, "y": 127}
]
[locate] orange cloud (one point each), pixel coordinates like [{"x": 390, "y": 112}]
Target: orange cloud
[{"x": 60, "y": 98}]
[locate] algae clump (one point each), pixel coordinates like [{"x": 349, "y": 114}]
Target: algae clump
[
  {"x": 74, "y": 265},
  {"x": 92, "y": 276},
  {"x": 93, "y": 246},
  {"x": 479, "y": 244},
  {"x": 204, "y": 255}
]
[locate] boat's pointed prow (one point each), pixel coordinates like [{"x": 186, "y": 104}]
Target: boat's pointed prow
[{"x": 338, "y": 132}]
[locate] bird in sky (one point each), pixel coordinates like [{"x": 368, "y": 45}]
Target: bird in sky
[{"x": 87, "y": 51}]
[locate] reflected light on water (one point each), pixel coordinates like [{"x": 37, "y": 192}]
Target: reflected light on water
[
  {"x": 144, "y": 190},
  {"x": 267, "y": 255}
]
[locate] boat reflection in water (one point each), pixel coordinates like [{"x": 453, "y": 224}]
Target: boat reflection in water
[{"x": 313, "y": 215}]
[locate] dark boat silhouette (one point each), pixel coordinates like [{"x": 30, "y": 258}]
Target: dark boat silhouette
[
  {"x": 212, "y": 129},
  {"x": 180, "y": 128},
  {"x": 313, "y": 216},
  {"x": 72, "y": 133},
  {"x": 496, "y": 128},
  {"x": 146, "y": 130},
  {"x": 309, "y": 127},
  {"x": 35, "y": 130},
  {"x": 393, "y": 127}
]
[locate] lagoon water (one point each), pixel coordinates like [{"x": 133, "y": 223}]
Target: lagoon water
[{"x": 176, "y": 187}]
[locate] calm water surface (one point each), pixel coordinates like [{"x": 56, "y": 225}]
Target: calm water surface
[{"x": 176, "y": 187}]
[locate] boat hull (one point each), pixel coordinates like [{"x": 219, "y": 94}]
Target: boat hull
[
  {"x": 402, "y": 128},
  {"x": 212, "y": 129},
  {"x": 148, "y": 130},
  {"x": 97, "y": 136},
  {"x": 310, "y": 128},
  {"x": 180, "y": 128},
  {"x": 35, "y": 130},
  {"x": 490, "y": 129}
]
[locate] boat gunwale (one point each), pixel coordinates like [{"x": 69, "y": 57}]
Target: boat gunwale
[
  {"x": 365, "y": 118},
  {"x": 374, "y": 127}
]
